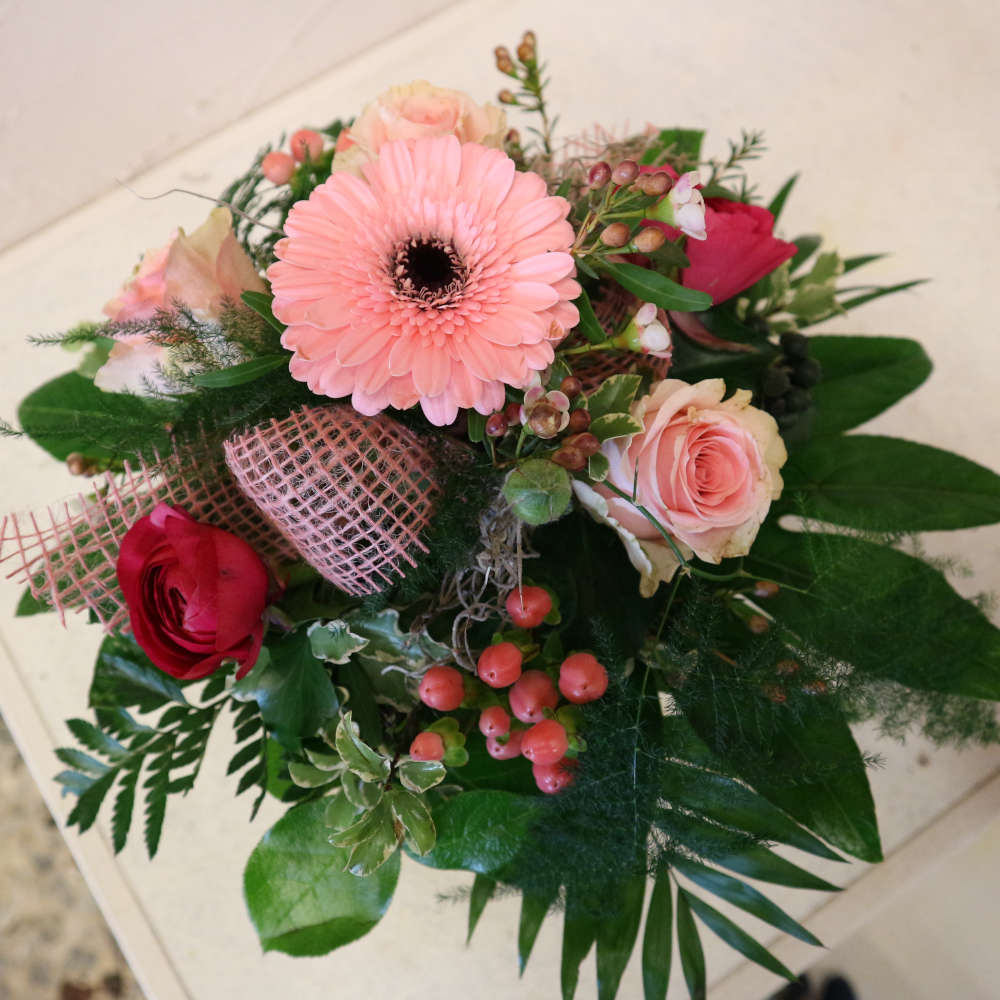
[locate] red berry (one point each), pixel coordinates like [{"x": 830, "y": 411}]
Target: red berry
[
  {"x": 304, "y": 142},
  {"x": 442, "y": 688},
  {"x": 528, "y": 606},
  {"x": 545, "y": 743},
  {"x": 552, "y": 778},
  {"x": 512, "y": 411},
  {"x": 427, "y": 746},
  {"x": 277, "y": 167},
  {"x": 494, "y": 721},
  {"x": 582, "y": 678},
  {"x": 496, "y": 426},
  {"x": 500, "y": 665},
  {"x": 508, "y": 750},
  {"x": 531, "y": 695}
]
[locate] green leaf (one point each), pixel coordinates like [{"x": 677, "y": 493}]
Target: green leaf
[
  {"x": 853, "y": 263},
  {"x": 887, "y": 484},
  {"x": 300, "y": 899},
  {"x": 412, "y": 812},
  {"x": 372, "y": 840},
  {"x": 29, "y": 605},
  {"x": 248, "y": 371},
  {"x": 334, "y": 641},
  {"x": 579, "y": 933},
  {"x": 261, "y": 303},
  {"x": 534, "y": 908},
  {"x": 157, "y": 787},
  {"x": 291, "y": 688},
  {"x": 480, "y": 831},
  {"x": 615, "y": 395},
  {"x": 738, "y": 893},
  {"x": 590, "y": 325},
  {"x": 477, "y": 426},
  {"x": 657, "y": 941},
  {"x": 121, "y": 816},
  {"x": 778, "y": 201},
  {"x": 675, "y": 142},
  {"x": 421, "y": 775},
  {"x": 736, "y": 937},
  {"x": 362, "y": 794},
  {"x": 81, "y": 761},
  {"x": 806, "y": 246},
  {"x": 616, "y": 936},
  {"x": 307, "y": 776},
  {"x": 70, "y": 414},
  {"x": 94, "y": 739},
  {"x": 951, "y": 646},
  {"x": 360, "y": 758},
  {"x": 482, "y": 892},
  {"x": 614, "y": 425},
  {"x": 88, "y": 804},
  {"x": 656, "y": 288},
  {"x": 689, "y": 946},
  {"x": 862, "y": 376},
  {"x": 125, "y": 677},
  {"x": 860, "y": 300},
  {"x": 538, "y": 491},
  {"x": 598, "y": 467}
]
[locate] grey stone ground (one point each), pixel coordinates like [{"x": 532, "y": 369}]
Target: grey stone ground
[{"x": 54, "y": 943}]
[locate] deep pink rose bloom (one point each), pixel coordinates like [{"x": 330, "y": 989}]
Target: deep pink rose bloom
[
  {"x": 195, "y": 593},
  {"x": 741, "y": 247}
]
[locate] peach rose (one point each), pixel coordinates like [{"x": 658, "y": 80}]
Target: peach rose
[
  {"x": 708, "y": 469},
  {"x": 413, "y": 111},
  {"x": 202, "y": 270}
]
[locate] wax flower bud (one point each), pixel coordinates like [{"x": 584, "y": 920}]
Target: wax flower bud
[
  {"x": 646, "y": 333},
  {"x": 546, "y": 413},
  {"x": 683, "y": 207}
]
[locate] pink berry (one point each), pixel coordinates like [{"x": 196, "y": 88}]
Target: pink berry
[
  {"x": 532, "y": 693},
  {"x": 494, "y": 721},
  {"x": 582, "y": 678},
  {"x": 553, "y": 778},
  {"x": 427, "y": 746},
  {"x": 500, "y": 665},
  {"x": 277, "y": 167},
  {"x": 545, "y": 743},
  {"x": 508, "y": 750},
  {"x": 528, "y": 606},
  {"x": 442, "y": 688},
  {"x": 306, "y": 142}
]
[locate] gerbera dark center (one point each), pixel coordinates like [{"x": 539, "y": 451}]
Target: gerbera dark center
[{"x": 430, "y": 271}]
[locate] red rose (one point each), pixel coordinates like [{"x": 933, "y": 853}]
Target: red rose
[
  {"x": 740, "y": 249},
  {"x": 195, "y": 593}
]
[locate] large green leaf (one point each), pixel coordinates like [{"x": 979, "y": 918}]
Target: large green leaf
[
  {"x": 616, "y": 935},
  {"x": 887, "y": 484},
  {"x": 657, "y": 940},
  {"x": 579, "y": 933},
  {"x": 291, "y": 688},
  {"x": 689, "y": 946},
  {"x": 538, "y": 491},
  {"x": 70, "y": 414},
  {"x": 480, "y": 831},
  {"x": 863, "y": 598},
  {"x": 300, "y": 899},
  {"x": 862, "y": 376},
  {"x": 650, "y": 286}
]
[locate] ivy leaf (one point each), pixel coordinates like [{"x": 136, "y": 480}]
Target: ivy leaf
[
  {"x": 334, "y": 641},
  {"x": 614, "y": 425},
  {"x": 538, "y": 491},
  {"x": 301, "y": 900},
  {"x": 291, "y": 688},
  {"x": 615, "y": 395},
  {"x": 650, "y": 286}
]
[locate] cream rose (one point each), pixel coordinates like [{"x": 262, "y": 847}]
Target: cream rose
[
  {"x": 708, "y": 469},
  {"x": 202, "y": 270},
  {"x": 413, "y": 111}
]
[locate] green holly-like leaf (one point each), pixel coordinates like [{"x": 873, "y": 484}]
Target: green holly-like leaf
[
  {"x": 616, "y": 395},
  {"x": 598, "y": 467},
  {"x": 334, "y": 641},
  {"x": 300, "y": 899},
  {"x": 614, "y": 425},
  {"x": 366, "y": 763},
  {"x": 538, "y": 491}
]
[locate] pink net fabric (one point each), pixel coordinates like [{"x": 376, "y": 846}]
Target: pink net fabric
[
  {"x": 67, "y": 553},
  {"x": 353, "y": 493}
]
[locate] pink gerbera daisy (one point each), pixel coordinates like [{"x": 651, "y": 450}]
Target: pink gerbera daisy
[{"x": 440, "y": 278}]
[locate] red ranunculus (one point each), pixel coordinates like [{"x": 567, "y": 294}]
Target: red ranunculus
[
  {"x": 195, "y": 593},
  {"x": 740, "y": 249}
]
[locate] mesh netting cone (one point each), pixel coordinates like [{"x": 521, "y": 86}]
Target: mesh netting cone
[
  {"x": 66, "y": 554},
  {"x": 353, "y": 493}
]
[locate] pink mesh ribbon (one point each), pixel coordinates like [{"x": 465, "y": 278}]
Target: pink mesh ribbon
[
  {"x": 67, "y": 553},
  {"x": 353, "y": 493}
]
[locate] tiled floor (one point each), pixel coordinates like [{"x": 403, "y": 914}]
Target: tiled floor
[{"x": 54, "y": 943}]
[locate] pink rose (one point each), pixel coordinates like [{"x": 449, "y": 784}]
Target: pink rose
[
  {"x": 413, "y": 111},
  {"x": 708, "y": 470},
  {"x": 202, "y": 270}
]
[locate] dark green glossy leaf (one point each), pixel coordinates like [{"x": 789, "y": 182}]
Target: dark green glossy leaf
[
  {"x": 657, "y": 941},
  {"x": 533, "y": 911},
  {"x": 689, "y": 946},
  {"x": 482, "y": 892},
  {"x": 590, "y": 325},
  {"x": 616, "y": 935},
  {"x": 656, "y": 288},
  {"x": 300, "y": 899},
  {"x": 887, "y": 484},
  {"x": 737, "y": 892},
  {"x": 862, "y": 376},
  {"x": 248, "y": 371},
  {"x": 261, "y": 303}
]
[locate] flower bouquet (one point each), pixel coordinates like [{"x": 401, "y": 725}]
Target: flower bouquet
[{"x": 492, "y": 490}]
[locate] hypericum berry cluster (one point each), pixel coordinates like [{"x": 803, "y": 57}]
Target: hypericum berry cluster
[
  {"x": 520, "y": 712},
  {"x": 279, "y": 166},
  {"x": 626, "y": 175},
  {"x": 786, "y": 384}
]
